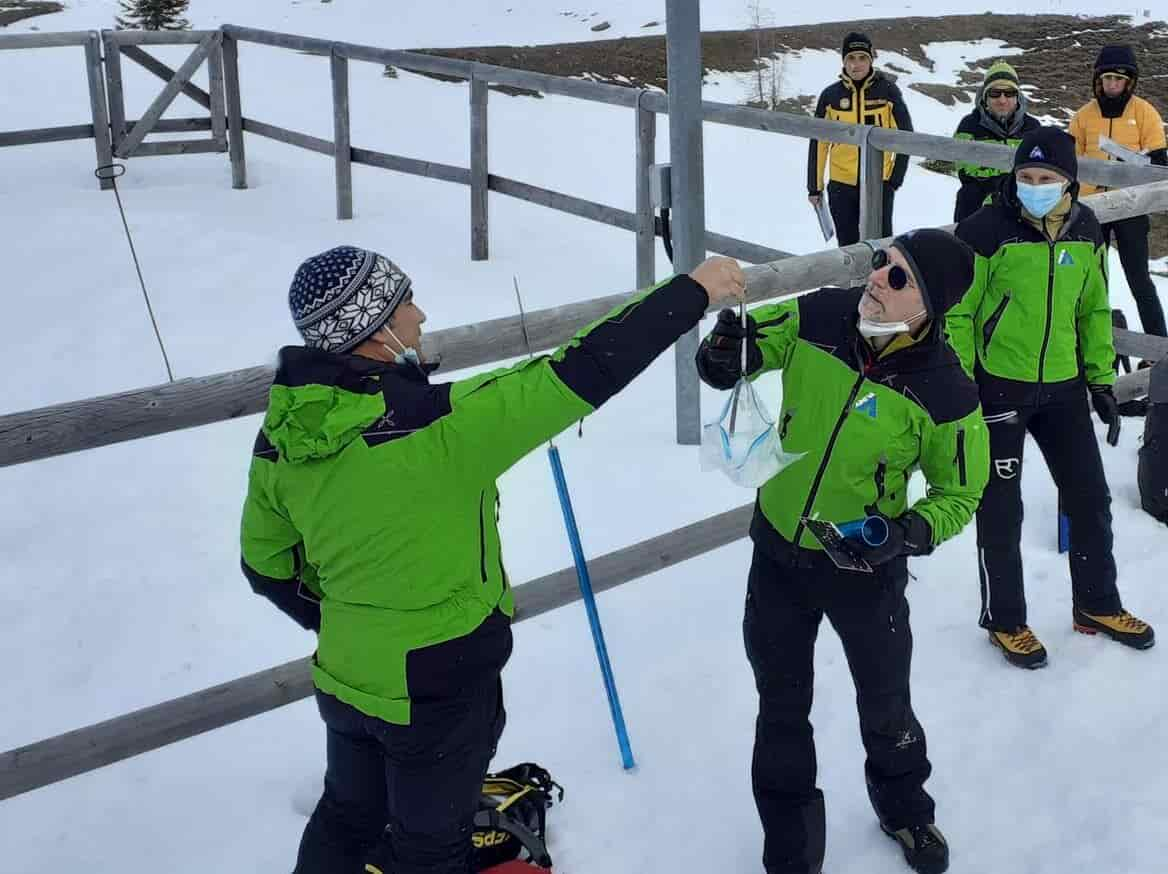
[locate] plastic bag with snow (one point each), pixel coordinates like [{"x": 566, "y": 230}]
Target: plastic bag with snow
[{"x": 743, "y": 442}]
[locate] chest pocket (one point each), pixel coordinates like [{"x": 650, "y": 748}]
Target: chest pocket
[
  {"x": 882, "y": 444},
  {"x": 877, "y": 113}
]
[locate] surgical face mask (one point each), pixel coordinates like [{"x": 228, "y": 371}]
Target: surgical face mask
[
  {"x": 406, "y": 355},
  {"x": 1040, "y": 199},
  {"x": 870, "y": 328}
]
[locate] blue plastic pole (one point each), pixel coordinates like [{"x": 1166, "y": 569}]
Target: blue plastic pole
[{"x": 618, "y": 718}]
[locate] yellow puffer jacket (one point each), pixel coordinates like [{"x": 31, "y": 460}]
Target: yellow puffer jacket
[
  {"x": 878, "y": 102},
  {"x": 1139, "y": 128}
]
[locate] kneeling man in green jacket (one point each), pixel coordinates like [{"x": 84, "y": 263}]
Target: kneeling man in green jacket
[
  {"x": 871, "y": 392},
  {"x": 372, "y": 517}
]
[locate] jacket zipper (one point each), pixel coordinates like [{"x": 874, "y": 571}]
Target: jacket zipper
[
  {"x": 839, "y": 423},
  {"x": 482, "y": 538},
  {"x": 881, "y": 466},
  {"x": 991, "y": 324},
  {"x": 783, "y": 425},
  {"x": 1049, "y": 313},
  {"x": 498, "y": 515},
  {"x": 960, "y": 459}
]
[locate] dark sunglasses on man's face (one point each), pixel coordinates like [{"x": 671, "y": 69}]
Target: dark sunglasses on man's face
[
  {"x": 897, "y": 275},
  {"x": 1001, "y": 92}
]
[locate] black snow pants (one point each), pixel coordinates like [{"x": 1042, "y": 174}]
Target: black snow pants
[
  {"x": 407, "y": 794},
  {"x": 789, "y": 592},
  {"x": 1131, "y": 239},
  {"x": 844, "y": 202},
  {"x": 1066, "y": 438}
]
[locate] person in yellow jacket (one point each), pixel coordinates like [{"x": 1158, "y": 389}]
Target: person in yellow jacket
[
  {"x": 862, "y": 95},
  {"x": 1132, "y": 122}
]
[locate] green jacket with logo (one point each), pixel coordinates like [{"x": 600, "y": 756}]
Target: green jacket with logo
[
  {"x": 866, "y": 422},
  {"x": 1036, "y": 318},
  {"x": 374, "y": 490}
]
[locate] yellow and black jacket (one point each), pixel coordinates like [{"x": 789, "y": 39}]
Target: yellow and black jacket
[
  {"x": 1130, "y": 121},
  {"x": 875, "y": 101}
]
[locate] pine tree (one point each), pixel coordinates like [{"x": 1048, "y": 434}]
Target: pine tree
[{"x": 153, "y": 15}]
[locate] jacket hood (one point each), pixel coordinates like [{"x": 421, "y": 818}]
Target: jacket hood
[
  {"x": 1002, "y": 129},
  {"x": 1115, "y": 59},
  {"x": 320, "y": 402}
]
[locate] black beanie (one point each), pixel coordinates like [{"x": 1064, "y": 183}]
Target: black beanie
[
  {"x": 857, "y": 42},
  {"x": 1117, "y": 59},
  {"x": 941, "y": 264},
  {"x": 1049, "y": 147}
]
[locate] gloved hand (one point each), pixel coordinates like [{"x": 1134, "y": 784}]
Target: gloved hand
[
  {"x": 719, "y": 357},
  {"x": 1107, "y": 409},
  {"x": 909, "y": 534}
]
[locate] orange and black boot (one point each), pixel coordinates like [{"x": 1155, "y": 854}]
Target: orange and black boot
[
  {"x": 1020, "y": 647},
  {"x": 1121, "y": 626}
]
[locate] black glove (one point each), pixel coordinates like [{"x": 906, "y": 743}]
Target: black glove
[
  {"x": 719, "y": 358},
  {"x": 909, "y": 534},
  {"x": 1107, "y": 409}
]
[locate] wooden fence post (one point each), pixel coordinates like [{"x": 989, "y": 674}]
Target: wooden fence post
[
  {"x": 113, "y": 81},
  {"x": 234, "y": 112},
  {"x": 646, "y": 229},
  {"x": 342, "y": 148},
  {"x": 97, "y": 105},
  {"x": 478, "y": 170},
  {"x": 218, "y": 98},
  {"x": 871, "y": 190}
]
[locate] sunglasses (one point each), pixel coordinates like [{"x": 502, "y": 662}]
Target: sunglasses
[
  {"x": 995, "y": 93},
  {"x": 897, "y": 275},
  {"x": 1113, "y": 77}
]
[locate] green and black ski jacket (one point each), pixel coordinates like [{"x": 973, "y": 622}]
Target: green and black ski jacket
[
  {"x": 1036, "y": 321},
  {"x": 979, "y": 183},
  {"x": 374, "y": 491},
  {"x": 865, "y": 423}
]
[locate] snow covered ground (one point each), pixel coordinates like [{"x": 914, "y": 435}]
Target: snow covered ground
[{"x": 120, "y": 585}]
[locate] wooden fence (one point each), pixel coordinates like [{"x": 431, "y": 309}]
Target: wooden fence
[{"x": 187, "y": 403}]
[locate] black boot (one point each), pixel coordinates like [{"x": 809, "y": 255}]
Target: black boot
[{"x": 924, "y": 847}]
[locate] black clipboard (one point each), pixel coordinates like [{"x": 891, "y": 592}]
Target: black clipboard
[{"x": 836, "y": 546}]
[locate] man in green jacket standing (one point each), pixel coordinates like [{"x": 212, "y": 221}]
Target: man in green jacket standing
[
  {"x": 371, "y": 517},
  {"x": 1035, "y": 332},
  {"x": 871, "y": 392}
]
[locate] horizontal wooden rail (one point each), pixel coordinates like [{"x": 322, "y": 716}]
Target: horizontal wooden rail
[
  {"x": 46, "y": 135},
  {"x": 412, "y": 166},
  {"x": 291, "y": 137},
  {"x": 187, "y": 403},
  {"x": 86, "y": 749},
  {"x": 1146, "y": 346},
  {"x": 44, "y": 40},
  {"x": 179, "y": 147},
  {"x": 159, "y": 37}
]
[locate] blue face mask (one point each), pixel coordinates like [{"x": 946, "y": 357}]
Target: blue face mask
[
  {"x": 1040, "y": 199},
  {"x": 409, "y": 355}
]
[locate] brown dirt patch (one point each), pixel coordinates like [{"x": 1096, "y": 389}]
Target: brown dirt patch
[
  {"x": 12, "y": 11},
  {"x": 950, "y": 95}
]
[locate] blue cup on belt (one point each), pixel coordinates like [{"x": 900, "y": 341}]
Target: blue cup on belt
[{"x": 871, "y": 530}]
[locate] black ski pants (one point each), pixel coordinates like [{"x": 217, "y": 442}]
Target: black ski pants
[
  {"x": 844, "y": 203},
  {"x": 1131, "y": 239},
  {"x": 787, "y": 596},
  {"x": 406, "y": 795},
  {"x": 1065, "y": 437}
]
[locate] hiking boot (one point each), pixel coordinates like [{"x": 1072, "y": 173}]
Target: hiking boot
[
  {"x": 1020, "y": 647},
  {"x": 924, "y": 847},
  {"x": 1121, "y": 626}
]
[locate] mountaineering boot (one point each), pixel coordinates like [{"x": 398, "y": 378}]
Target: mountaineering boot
[
  {"x": 1020, "y": 647},
  {"x": 1121, "y": 626},
  {"x": 924, "y": 847}
]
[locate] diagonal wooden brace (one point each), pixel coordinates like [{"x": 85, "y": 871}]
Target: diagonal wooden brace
[
  {"x": 153, "y": 65},
  {"x": 150, "y": 118}
]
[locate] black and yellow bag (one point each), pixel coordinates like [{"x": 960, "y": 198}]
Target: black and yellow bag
[{"x": 512, "y": 816}]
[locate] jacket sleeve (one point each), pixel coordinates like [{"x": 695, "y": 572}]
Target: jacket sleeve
[
  {"x": 955, "y": 458},
  {"x": 272, "y": 555},
  {"x": 817, "y": 152},
  {"x": 778, "y": 329},
  {"x": 959, "y": 323},
  {"x": 1151, "y": 129},
  {"x": 496, "y": 418},
  {"x": 903, "y": 122},
  {"x": 1078, "y": 130},
  {"x": 1093, "y": 322}
]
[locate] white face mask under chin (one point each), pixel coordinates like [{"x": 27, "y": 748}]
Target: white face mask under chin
[
  {"x": 870, "y": 328},
  {"x": 408, "y": 354}
]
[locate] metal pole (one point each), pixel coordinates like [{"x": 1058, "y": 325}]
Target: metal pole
[
  {"x": 871, "y": 190},
  {"x": 97, "y": 105},
  {"x": 478, "y": 169},
  {"x": 684, "y": 58},
  {"x": 234, "y": 112},
  {"x": 646, "y": 231},
  {"x": 342, "y": 149}
]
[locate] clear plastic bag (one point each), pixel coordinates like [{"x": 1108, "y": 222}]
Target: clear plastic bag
[{"x": 743, "y": 442}]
